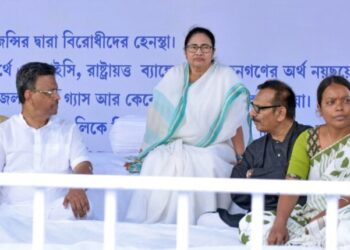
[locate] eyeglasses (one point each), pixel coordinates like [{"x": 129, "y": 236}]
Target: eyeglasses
[
  {"x": 193, "y": 48},
  {"x": 48, "y": 93},
  {"x": 258, "y": 108}
]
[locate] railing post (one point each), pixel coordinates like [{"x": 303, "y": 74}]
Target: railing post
[
  {"x": 38, "y": 236},
  {"x": 257, "y": 221},
  {"x": 110, "y": 212},
  {"x": 182, "y": 221},
  {"x": 332, "y": 222}
]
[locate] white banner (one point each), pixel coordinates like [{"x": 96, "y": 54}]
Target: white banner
[{"x": 110, "y": 54}]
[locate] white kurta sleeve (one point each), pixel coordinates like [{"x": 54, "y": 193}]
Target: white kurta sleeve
[{"x": 78, "y": 151}]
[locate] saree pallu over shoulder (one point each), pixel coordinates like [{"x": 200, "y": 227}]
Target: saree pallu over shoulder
[
  {"x": 335, "y": 152},
  {"x": 167, "y": 112},
  {"x": 329, "y": 164},
  {"x": 216, "y": 127}
]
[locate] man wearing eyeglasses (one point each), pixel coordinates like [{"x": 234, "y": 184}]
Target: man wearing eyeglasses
[
  {"x": 36, "y": 141},
  {"x": 273, "y": 113}
]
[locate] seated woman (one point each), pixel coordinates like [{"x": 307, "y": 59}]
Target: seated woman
[
  {"x": 320, "y": 153},
  {"x": 194, "y": 128}
]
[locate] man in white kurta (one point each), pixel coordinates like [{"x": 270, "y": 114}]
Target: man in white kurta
[{"x": 36, "y": 141}]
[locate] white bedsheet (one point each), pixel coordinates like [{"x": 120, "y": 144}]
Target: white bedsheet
[
  {"x": 16, "y": 233},
  {"x": 96, "y": 246},
  {"x": 138, "y": 236},
  {"x": 151, "y": 236},
  {"x": 87, "y": 235}
]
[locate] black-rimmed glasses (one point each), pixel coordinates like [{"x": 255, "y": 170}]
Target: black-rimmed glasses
[
  {"x": 193, "y": 48},
  {"x": 258, "y": 108},
  {"x": 48, "y": 93}
]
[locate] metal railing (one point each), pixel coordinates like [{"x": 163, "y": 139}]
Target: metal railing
[{"x": 258, "y": 188}]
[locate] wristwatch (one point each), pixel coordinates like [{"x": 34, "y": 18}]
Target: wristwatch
[{"x": 239, "y": 158}]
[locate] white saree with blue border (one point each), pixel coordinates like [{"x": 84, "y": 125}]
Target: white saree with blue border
[{"x": 188, "y": 133}]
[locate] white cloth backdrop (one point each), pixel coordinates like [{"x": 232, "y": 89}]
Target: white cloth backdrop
[{"x": 110, "y": 54}]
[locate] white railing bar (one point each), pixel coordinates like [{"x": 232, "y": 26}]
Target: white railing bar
[
  {"x": 333, "y": 188},
  {"x": 182, "y": 221},
  {"x": 332, "y": 223},
  {"x": 177, "y": 183},
  {"x": 257, "y": 221},
  {"x": 38, "y": 237},
  {"x": 110, "y": 220}
]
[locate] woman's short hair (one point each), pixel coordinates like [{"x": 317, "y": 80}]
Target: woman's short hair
[{"x": 202, "y": 30}]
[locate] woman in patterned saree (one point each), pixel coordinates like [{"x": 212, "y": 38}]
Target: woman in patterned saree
[
  {"x": 194, "y": 129},
  {"x": 320, "y": 153}
]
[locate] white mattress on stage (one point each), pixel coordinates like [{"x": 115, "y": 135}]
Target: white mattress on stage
[{"x": 16, "y": 233}]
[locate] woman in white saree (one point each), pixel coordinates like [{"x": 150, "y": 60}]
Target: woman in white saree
[
  {"x": 320, "y": 153},
  {"x": 195, "y": 128}
]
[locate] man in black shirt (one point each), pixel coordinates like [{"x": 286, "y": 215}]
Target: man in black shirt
[{"x": 273, "y": 112}]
